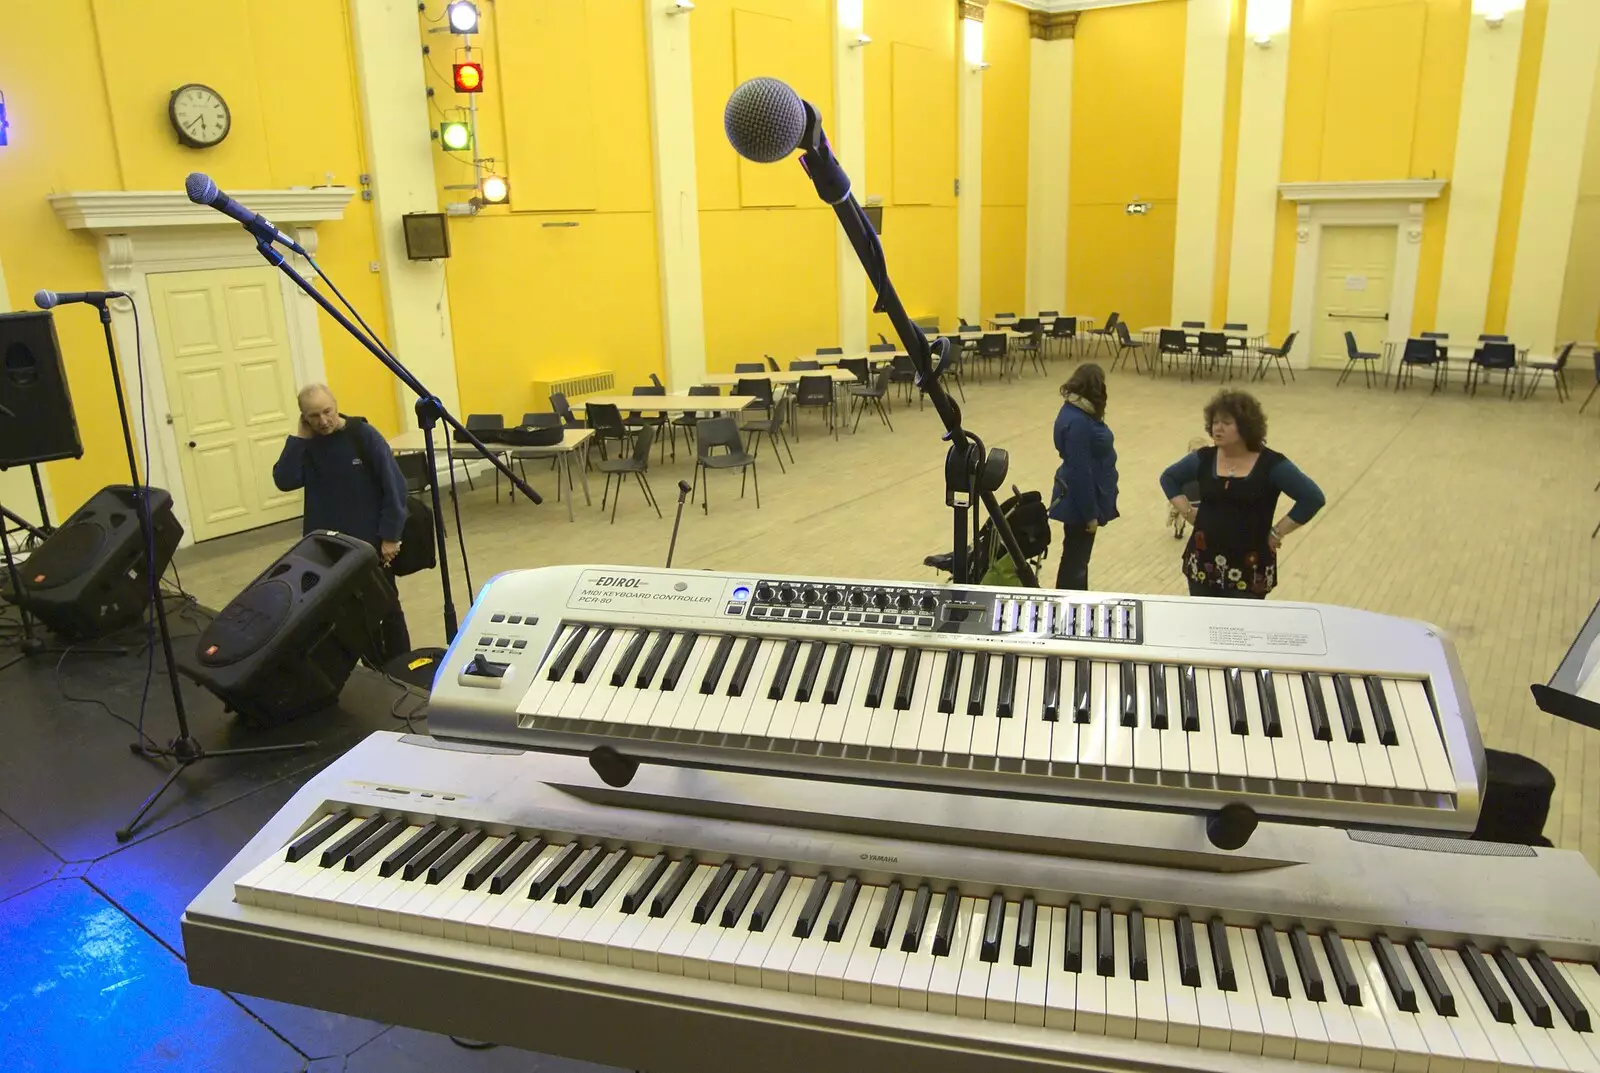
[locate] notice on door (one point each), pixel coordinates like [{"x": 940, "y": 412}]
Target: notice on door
[{"x": 1355, "y": 283}]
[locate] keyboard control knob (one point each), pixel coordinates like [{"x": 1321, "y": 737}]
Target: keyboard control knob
[
  {"x": 832, "y": 597},
  {"x": 928, "y": 604},
  {"x": 810, "y": 596},
  {"x": 763, "y": 593},
  {"x": 1231, "y": 826},
  {"x": 880, "y": 599},
  {"x": 857, "y": 598},
  {"x": 786, "y": 595},
  {"x": 903, "y": 601}
]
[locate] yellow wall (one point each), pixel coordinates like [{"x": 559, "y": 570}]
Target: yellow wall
[
  {"x": 565, "y": 114},
  {"x": 911, "y": 70},
  {"x": 1127, "y": 107},
  {"x": 1505, "y": 248},
  {"x": 88, "y": 112},
  {"x": 1005, "y": 159},
  {"x": 768, "y": 271}
]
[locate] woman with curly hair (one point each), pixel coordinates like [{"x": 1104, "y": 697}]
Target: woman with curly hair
[{"x": 1233, "y": 550}]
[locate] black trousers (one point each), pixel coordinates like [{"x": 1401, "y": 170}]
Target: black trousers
[
  {"x": 1200, "y": 588},
  {"x": 394, "y": 634},
  {"x": 1077, "y": 544}
]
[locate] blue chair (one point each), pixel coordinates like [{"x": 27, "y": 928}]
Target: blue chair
[
  {"x": 1417, "y": 352},
  {"x": 1492, "y": 357},
  {"x": 1354, "y": 356},
  {"x": 1558, "y": 374}
]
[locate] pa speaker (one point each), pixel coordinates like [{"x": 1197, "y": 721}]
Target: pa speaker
[
  {"x": 286, "y": 645},
  {"x": 91, "y": 575},
  {"x": 36, "y": 420}
]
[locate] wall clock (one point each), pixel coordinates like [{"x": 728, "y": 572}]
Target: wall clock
[{"x": 199, "y": 115}]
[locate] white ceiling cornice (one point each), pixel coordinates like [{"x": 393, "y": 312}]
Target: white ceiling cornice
[
  {"x": 1368, "y": 190},
  {"x": 1058, "y": 7},
  {"x": 122, "y": 210}
]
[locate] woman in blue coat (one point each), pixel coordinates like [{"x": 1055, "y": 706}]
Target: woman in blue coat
[{"x": 1085, "y": 494}]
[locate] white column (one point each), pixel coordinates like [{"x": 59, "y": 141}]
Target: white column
[
  {"x": 683, "y": 327},
  {"x": 969, "y": 204},
  {"x": 1255, "y": 191},
  {"x": 1555, "y": 162},
  {"x": 1478, "y": 175},
  {"x": 16, "y": 484},
  {"x": 395, "y": 116},
  {"x": 848, "y": 133},
  {"x": 1205, "y": 78},
  {"x": 1049, "y": 159},
  {"x": 1580, "y": 294}
]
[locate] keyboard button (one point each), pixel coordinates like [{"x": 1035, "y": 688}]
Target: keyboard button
[
  {"x": 569, "y": 651},
  {"x": 1382, "y": 721},
  {"x": 1221, "y": 954},
  {"x": 786, "y": 662},
  {"x": 1128, "y": 705},
  {"x": 1311, "y": 981},
  {"x": 1105, "y": 945},
  {"x": 591, "y": 656},
  {"x": 686, "y": 645},
  {"x": 835, "y": 683},
  {"x": 1528, "y": 996},
  {"x": 317, "y": 835},
  {"x": 1560, "y": 991},
  {"x": 1082, "y": 674},
  {"x": 749, "y": 880},
  {"x": 950, "y": 681},
  {"x": 768, "y": 904},
  {"x": 1158, "y": 695},
  {"x": 1052, "y": 688},
  {"x": 883, "y": 927},
  {"x": 552, "y": 871},
  {"x": 839, "y": 921},
  {"x": 808, "y": 676},
  {"x": 1348, "y": 713},
  {"x": 358, "y": 857},
  {"x": 1272, "y": 960},
  {"x": 349, "y": 840},
  {"x": 630, "y": 655},
  {"x": 903, "y": 694},
  {"x": 916, "y": 921},
  {"x": 1405, "y": 996},
  {"x": 711, "y": 897},
  {"x": 1027, "y": 925},
  {"x": 807, "y": 920},
  {"x": 605, "y": 876},
  {"x": 1189, "y": 699},
  {"x": 979, "y": 685},
  {"x": 716, "y": 665},
  {"x": 1072, "y": 951},
  {"x": 518, "y": 862},
  {"x": 1316, "y": 710},
  {"x": 742, "y": 669},
  {"x": 672, "y": 887},
  {"x": 944, "y": 932},
  {"x": 1006, "y": 701},
  {"x": 1432, "y": 979},
  {"x": 451, "y": 859},
  {"x": 1138, "y": 949}
]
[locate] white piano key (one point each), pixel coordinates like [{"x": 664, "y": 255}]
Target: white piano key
[
  {"x": 586, "y": 939},
  {"x": 1377, "y": 1042},
  {"x": 874, "y": 727},
  {"x": 660, "y": 945},
  {"x": 855, "y": 983},
  {"x": 1013, "y": 730},
  {"x": 1244, "y": 1005},
  {"x": 934, "y": 728},
  {"x": 1411, "y": 1052},
  {"x": 690, "y": 701},
  {"x": 1033, "y": 979},
  {"x": 337, "y": 894},
  {"x": 1037, "y": 730},
  {"x": 1060, "y": 986},
  {"x": 1175, "y": 743},
  {"x": 1122, "y": 1009},
  {"x": 634, "y": 706},
  {"x": 1574, "y": 1052},
  {"x": 1277, "y": 1026},
  {"x": 780, "y": 721},
  {"x": 1150, "y": 994},
  {"x": 444, "y": 909},
  {"x": 836, "y": 956},
  {"x": 755, "y": 689},
  {"x": 808, "y": 713},
  {"x": 524, "y": 933},
  {"x": 619, "y": 950},
  {"x": 801, "y": 979},
  {"x": 1119, "y": 737},
  {"x": 1259, "y": 762},
  {"x": 944, "y": 982},
  {"x": 972, "y": 984},
  {"x": 986, "y": 727},
  {"x": 547, "y": 934},
  {"x": 858, "y": 668},
  {"x": 1505, "y": 1049},
  {"x": 1426, "y": 736},
  {"x": 958, "y": 732},
  {"x": 670, "y": 701},
  {"x": 592, "y": 699},
  {"x": 1146, "y": 738},
  {"x": 1287, "y": 757},
  {"x": 1091, "y": 986},
  {"x": 1092, "y": 735},
  {"x": 557, "y": 695},
  {"x": 1374, "y": 754},
  {"x": 713, "y": 705},
  {"x": 1211, "y": 1002},
  {"x": 1403, "y": 758},
  {"x": 1230, "y": 746},
  {"x": 908, "y": 724},
  {"x": 749, "y": 967},
  {"x": 1347, "y": 769},
  {"x": 1315, "y": 758},
  {"x": 1477, "y": 1054},
  {"x": 1000, "y": 999},
  {"x": 484, "y": 924},
  {"x": 1183, "y": 1012},
  {"x": 1311, "y": 1034},
  {"x": 360, "y": 903},
  {"x": 1344, "y": 1041},
  {"x": 1066, "y": 734},
  {"x": 911, "y": 993},
  {"x": 884, "y": 984},
  {"x": 1585, "y": 983}
]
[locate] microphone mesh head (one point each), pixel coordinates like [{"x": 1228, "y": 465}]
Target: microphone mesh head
[
  {"x": 764, "y": 120},
  {"x": 44, "y": 299},
  {"x": 200, "y": 188}
]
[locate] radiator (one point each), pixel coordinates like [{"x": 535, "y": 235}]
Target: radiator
[{"x": 573, "y": 387}]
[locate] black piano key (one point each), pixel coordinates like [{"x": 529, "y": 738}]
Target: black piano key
[
  {"x": 1342, "y": 692},
  {"x": 591, "y": 656},
  {"x": 451, "y": 859},
  {"x": 440, "y": 842},
  {"x": 749, "y": 880},
  {"x": 1138, "y": 954},
  {"x": 363, "y": 853},
  {"x": 1105, "y": 947},
  {"x": 347, "y": 842},
  {"x": 652, "y": 662},
  {"x": 879, "y": 679},
  {"x": 408, "y": 849},
  {"x": 979, "y": 684},
  {"x": 1310, "y": 975},
  {"x": 1316, "y": 710},
  {"x": 1221, "y": 956},
  {"x": 944, "y": 933},
  {"x": 1560, "y": 991},
  {"x": 807, "y": 921},
  {"x": 712, "y": 895},
  {"x": 741, "y": 670},
  {"x": 1494, "y": 996},
  {"x": 316, "y": 836},
  {"x": 569, "y": 651},
  {"x": 994, "y": 924},
  {"x": 780, "y": 677},
  {"x": 1006, "y": 694},
  {"x": 1382, "y": 721},
  {"x": 646, "y": 882},
  {"x": 835, "y": 683},
  {"x": 1344, "y": 979},
  {"x": 1027, "y": 922},
  {"x": 912, "y": 940},
  {"x": 630, "y": 656},
  {"x": 671, "y": 887},
  {"x": 1405, "y": 996},
  {"x": 515, "y": 865},
  {"x": 1129, "y": 707},
  {"x": 1158, "y": 696},
  {"x": 952, "y": 679},
  {"x": 716, "y": 664},
  {"x": 883, "y": 927},
  {"x": 1072, "y": 956},
  {"x": 840, "y": 919},
  {"x": 1052, "y": 688},
  {"x": 609, "y": 870},
  {"x": 808, "y": 675},
  {"x": 1188, "y": 956},
  {"x": 680, "y": 657},
  {"x": 572, "y": 883},
  {"x": 1233, "y": 690},
  {"x": 1528, "y": 996},
  {"x": 769, "y": 900},
  {"x": 908, "y": 679},
  {"x": 1188, "y": 700},
  {"x": 1433, "y": 982},
  {"x": 1272, "y": 958},
  {"x": 1080, "y": 691},
  {"x": 553, "y": 870},
  {"x": 1271, "y": 719}
]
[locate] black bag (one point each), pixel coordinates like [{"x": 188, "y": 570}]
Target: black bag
[{"x": 416, "y": 538}]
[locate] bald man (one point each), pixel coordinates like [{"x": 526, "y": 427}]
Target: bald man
[{"x": 329, "y": 456}]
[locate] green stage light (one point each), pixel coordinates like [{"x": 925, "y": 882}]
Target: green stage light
[{"x": 455, "y": 135}]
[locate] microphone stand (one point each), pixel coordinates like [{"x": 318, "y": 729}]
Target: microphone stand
[
  {"x": 683, "y": 494},
  {"x": 968, "y": 469},
  {"x": 429, "y": 409}
]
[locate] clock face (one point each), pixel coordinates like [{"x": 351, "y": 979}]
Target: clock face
[{"x": 199, "y": 115}]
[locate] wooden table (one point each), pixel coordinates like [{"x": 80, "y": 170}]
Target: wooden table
[
  {"x": 672, "y": 404},
  {"x": 788, "y": 376},
  {"x": 871, "y": 357},
  {"x": 1046, "y": 322},
  {"x": 573, "y": 442}
]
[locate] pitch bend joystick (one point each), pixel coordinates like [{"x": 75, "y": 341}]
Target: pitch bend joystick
[{"x": 1231, "y": 826}]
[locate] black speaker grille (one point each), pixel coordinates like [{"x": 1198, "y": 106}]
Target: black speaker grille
[
  {"x": 246, "y": 624},
  {"x": 70, "y": 551}
]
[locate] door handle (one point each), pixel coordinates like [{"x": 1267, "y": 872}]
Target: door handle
[{"x": 1360, "y": 316}]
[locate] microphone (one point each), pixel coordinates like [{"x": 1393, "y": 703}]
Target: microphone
[
  {"x": 765, "y": 120},
  {"x": 202, "y": 191},
  {"x": 50, "y": 299}
]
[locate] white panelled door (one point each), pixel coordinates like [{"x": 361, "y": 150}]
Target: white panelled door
[
  {"x": 230, "y": 393},
  {"x": 1354, "y": 285}
]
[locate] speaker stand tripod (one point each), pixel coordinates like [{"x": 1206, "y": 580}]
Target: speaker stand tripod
[{"x": 183, "y": 750}]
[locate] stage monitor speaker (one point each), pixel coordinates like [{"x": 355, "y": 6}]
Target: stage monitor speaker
[
  {"x": 36, "y": 419},
  {"x": 90, "y": 576},
  {"x": 286, "y": 645}
]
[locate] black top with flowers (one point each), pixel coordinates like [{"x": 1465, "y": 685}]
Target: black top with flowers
[{"x": 1228, "y": 548}]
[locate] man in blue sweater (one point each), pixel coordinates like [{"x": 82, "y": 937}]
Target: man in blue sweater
[{"x": 329, "y": 456}]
